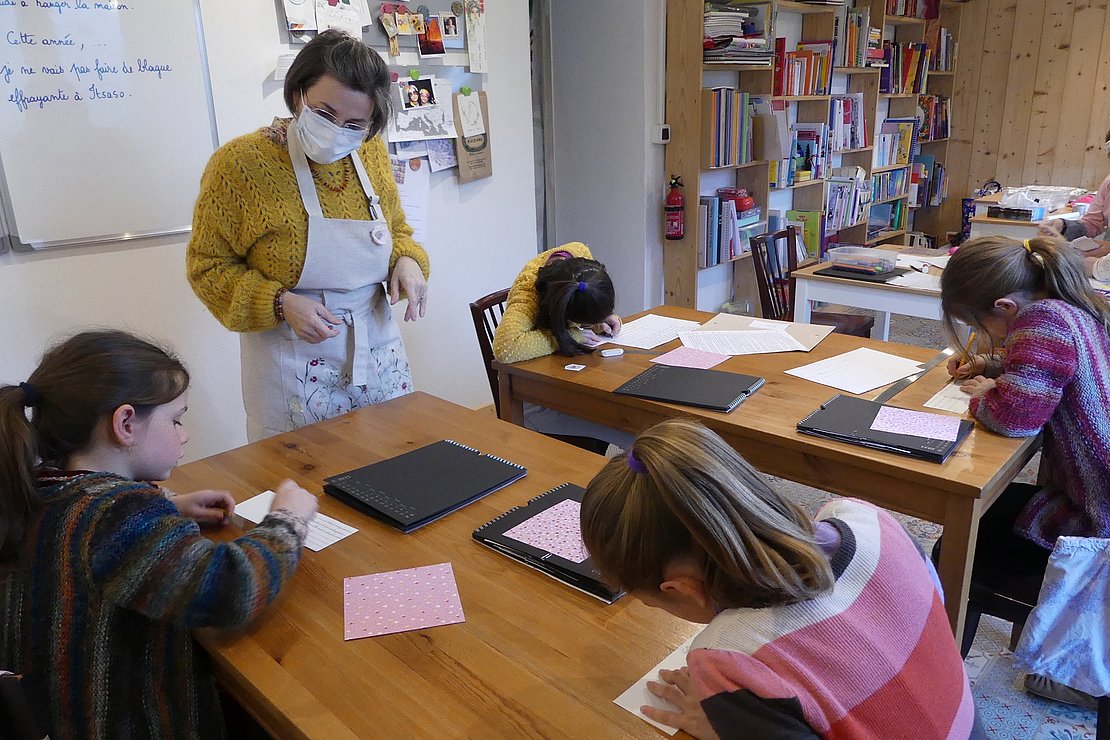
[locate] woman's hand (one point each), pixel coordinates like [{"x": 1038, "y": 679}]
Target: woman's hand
[
  {"x": 608, "y": 327},
  {"x": 407, "y": 277},
  {"x": 978, "y": 385},
  {"x": 959, "y": 369},
  {"x": 310, "y": 320},
  {"x": 678, "y": 689},
  {"x": 205, "y": 507},
  {"x": 294, "y": 499},
  {"x": 1051, "y": 227}
]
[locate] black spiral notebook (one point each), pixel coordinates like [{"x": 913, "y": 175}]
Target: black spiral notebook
[
  {"x": 418, "y": 487},
  {"x": 545, "y": 535},
  {"x": 707, "y": 389},
  {"x": 848, "y": 419}
]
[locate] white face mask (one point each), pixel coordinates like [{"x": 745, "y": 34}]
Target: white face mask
[{"x": 323, "y": 141}]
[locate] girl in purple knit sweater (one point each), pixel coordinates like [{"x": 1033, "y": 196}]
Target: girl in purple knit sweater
[{"x": 1032, "y": 299}]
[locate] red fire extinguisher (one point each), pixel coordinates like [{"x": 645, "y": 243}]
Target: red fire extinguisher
[{"x": 674, "y": 210}]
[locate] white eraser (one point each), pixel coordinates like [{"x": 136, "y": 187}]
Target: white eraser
[
  {"x": 574, "y": 368},
  {"x": 614, "y": 352}
]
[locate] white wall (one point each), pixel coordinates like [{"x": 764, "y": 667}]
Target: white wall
[
  {"x": 480, "y": 235},
  {"x": 607, "y": 80}
]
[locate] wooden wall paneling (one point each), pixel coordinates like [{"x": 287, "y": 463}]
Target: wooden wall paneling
[
  {"x": 1095, "y": 163},
  {"x": 1088, "y": 25},
  {"x": 973, "y": 19},
  {"x": 1048, "y": 91},
  {"x": 987, "y": 128},
  {"x": 1024, "y": 54}
]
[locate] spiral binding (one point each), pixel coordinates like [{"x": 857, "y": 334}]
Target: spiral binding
[
  {"x": 531, "y": 501},
  {"x": 465, "y": 447},
  {"x": 548, "y": 493},
  {"x": 503, "y": 460}
]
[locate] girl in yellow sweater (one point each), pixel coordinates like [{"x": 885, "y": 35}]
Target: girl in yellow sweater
[{"x": 562, "y": 301}]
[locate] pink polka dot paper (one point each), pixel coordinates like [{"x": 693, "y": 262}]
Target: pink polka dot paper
[
  {"x": 917, "y": 423},
  {"x": 555, "y": 530},
  {"x": 399, "y": 601}
]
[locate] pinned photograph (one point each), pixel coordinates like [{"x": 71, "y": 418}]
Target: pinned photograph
[
  {"x": 418, "y": 25},
  {"x": 450, "y": 24},
  {"x": 431, "y": 41},
  {"x": 403, "y": 23},
  {"x": 417, "y": 93}
]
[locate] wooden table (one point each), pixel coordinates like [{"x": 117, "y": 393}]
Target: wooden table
[
  {"x": 534, "y": 657},
  {"x": 763, "y": 430}
]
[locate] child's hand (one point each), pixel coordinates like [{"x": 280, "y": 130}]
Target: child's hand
[
  {"x": 609, "y": 327},
  {"x": 959, "y": 369},
  {"x": 589, "y": 338},
  {"x": 678, "y": 689},
  {"x": 294, "y": 499},
  {"x": 977, "y": 386},
  {"x": 205, "y": 507}
]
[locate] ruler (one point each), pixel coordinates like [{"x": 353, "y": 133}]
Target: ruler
[{"x": 906, "y": 382}]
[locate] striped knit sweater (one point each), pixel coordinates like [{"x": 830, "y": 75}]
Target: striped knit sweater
[
  {"x": 97, "y": 612},
  {"x": 1056, "y": 376},
  {"x": 872, "y": 658}
]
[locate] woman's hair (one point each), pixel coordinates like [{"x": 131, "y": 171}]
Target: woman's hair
[
  {"x": 78, "y": 383},
  {"x": 992, "y": 267},
  {"x": 354, "y": 64},
  {"x": 682, "y": 492},
  {"x": 576, "y": 290}
]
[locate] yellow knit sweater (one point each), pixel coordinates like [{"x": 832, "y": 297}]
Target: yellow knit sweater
[
  {"x": 250, "y": 228},
  {"x": 517, "y": 338}
]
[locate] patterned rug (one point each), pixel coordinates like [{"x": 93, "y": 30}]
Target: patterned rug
[{"x": 1005, "y": 709}]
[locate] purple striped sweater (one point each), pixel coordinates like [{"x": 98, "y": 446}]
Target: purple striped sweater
[{"x": 1056, "y": 376}]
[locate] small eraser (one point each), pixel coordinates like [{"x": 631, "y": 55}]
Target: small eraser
[
  {"x": 614, "y": 352},
  {"x": 574, "y": 368}
]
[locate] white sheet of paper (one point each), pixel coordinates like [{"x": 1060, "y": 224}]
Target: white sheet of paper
[
  {"x": 470, "y": 115},
  {"x": 322, "y": 530},
  {"x": 637, "y": 695},
  {"x": 284, "y": 61},
  {"x": 858, "y": 371},
  {"x": 950, "y": 398},
  {"x": 300, "y": 15},
  {"x": 753, "y": 342},
  {"x": 922, "y": 280},
  {"x": 648, "y": 332},
  {"x": 413, "y": 187},
  {"x": 476, "y": 39},
  {"x": 346, "y": 16}
]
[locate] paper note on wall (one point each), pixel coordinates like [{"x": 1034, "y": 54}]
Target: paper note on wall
[
  {"x": 342, "y": 14},
  {"x": 414, "y": 180}
]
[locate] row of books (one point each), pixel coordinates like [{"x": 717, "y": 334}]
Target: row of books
[
  {"x": 906, "y": 68},
  {"x": 727, "y": 115},
  {"x": 805, "y": 71},
  {"x": 723, "y": 233},
  {"x": 943, "y": 47},
  {"x": 935, "y": 123},
  {"x": 810, "y": 226},
  {"x": 886, "y": 185},
  {"x": 847, "y": 124},
  {"x": 858, "y": 43},
  {"x": 928, "y": 182},
  {"x": 896, "y": 142},
  {"x": 849, "y": 196},
  {"x": 913, "y": 8},
  {"x": 737, "y": 34},
  {"x": 884, "y": 217}
]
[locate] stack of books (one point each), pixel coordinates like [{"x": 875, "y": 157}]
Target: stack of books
[
  {"x": 805, "y": 71},
  {"x": 913, "y": 8},
  {"x": 848, "y": 198},
  {"x": 896, "y": 142},
  {"x": 727, "y": 114},
  {"x": 811, "y": 150},
  {"x": 884, "y": 217},
  {"x": 928, "y": 183},
  {"x": 724, "y": 234},
  {"x": 847, "y": 128},
  {"x": 857, "y": 43},
  {"x": 936, "y": 122},
  {"x": 737, "y": 34},
  {"x": 943, "y": 44},
  {"x": 906, "y": 68},
  {"x": 885, "y": 185}
]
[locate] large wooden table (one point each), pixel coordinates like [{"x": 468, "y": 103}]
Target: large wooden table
[
  {"x": 534, "y": 658},
  {"x": 763, "y": 430}
]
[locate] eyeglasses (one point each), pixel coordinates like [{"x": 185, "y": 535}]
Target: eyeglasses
[{"x": 330, "y": 118}]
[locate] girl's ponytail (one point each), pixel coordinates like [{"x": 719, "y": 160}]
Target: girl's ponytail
[
  {"x": 1064, "y": 277},
  {"x": 18, "y": 455}
]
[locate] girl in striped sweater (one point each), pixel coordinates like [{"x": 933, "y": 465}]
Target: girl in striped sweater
[
  {"x": 102, "y": 574},
  {"x": 1033, "y": 298},
  {"x": 828, "y": 628}
]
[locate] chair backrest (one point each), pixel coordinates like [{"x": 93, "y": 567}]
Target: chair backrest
[
  {"x": 17, "y": 721},
  {"x": 486, "y": 313},
  {"x": 772, "y": 277}
]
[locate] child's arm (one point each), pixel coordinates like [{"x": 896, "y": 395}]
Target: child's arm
[
  {"x": 1040, "y": 361},
  {"x": 517, "y": 338},
  {"x": 152, "y": 561}
]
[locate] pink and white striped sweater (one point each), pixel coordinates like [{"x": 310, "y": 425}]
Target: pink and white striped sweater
[{"x": 872, "y": 658}]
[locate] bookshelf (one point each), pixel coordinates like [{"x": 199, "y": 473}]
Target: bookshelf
[{"x": 686, "y": 76}]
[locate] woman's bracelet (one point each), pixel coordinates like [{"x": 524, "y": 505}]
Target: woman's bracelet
[{"x": 279, "y": 304}]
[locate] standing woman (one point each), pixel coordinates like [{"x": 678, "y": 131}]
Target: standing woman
[
  {"x": 1094, "y": 223},
  {"x": 296, "y": 230}
]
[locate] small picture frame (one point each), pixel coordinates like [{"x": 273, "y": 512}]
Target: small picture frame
[
  {"x": 418, "y": 24},
  {"x": 417, "y": 93},
  {"x": 430, "y": 43},
  {"x": 450, "y": 25},
  {"x": 403, "y": 23}
]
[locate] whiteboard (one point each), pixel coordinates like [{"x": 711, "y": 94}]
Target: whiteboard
[{"x": 106, "y": 118}]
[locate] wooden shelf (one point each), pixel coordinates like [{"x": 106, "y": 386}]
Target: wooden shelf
[
  {"x": 903, "y": 20},
  {"x": 856, "y": 70},
  {"x": 898, "y": 95},
  {"x": 734, "y": 67},
  {"x": 856, "y": 225},
  {"x": 737, "y": 258},
  {"x": 903, "y": 196},
  {"x": 933, "y": 141},
  {"x": 803, "y": 184},
  {"x": 940, "y": 73},
  {"x": 791, "y": 98},
  {"x": 889, "y": 168},
  {"x": 804, "y": 8},
  {"x": 884, "y": 236},
  {"x": 753, "y": 163},
  {"x": 854, "y": 151}
]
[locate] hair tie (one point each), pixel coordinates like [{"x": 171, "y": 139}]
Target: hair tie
[
  {"x": 1028, "y": 247},
  {"x": 30, "y": 395},
  {"x": 581, "y": 285},
  {"x": 1035, "y": 256},
  {"x": 634, "y": 464}
]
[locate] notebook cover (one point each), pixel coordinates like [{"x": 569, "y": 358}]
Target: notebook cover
[
  {"x": 848, "y": 419},
  {"x": 418, "y": 487},
  {"x": 882, "y": 277},
  {"x": 709, "y": 389},
  {"x": 578, "y": 574}
]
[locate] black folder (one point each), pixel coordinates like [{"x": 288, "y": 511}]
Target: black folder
[
  {"x": 848, "y": 419},
  {"x": 707, "y": 389},
  {"x": 418, "y": 487},
  {"x": 580, "y": 575}
]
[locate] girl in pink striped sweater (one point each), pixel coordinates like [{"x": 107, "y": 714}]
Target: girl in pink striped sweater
[{"x": 830, "y": 628}]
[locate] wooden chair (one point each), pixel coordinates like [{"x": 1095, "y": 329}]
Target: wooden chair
[
  {"x": 776, "y": 286},
  {"x": 17, "y": 721},
  {"x": 486, "y": 312}
]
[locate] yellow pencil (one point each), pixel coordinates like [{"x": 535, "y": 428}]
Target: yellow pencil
[{"x": 967, "y": 350}]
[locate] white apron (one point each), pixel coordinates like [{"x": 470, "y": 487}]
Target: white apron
[{"x": 288, "y": 382}]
